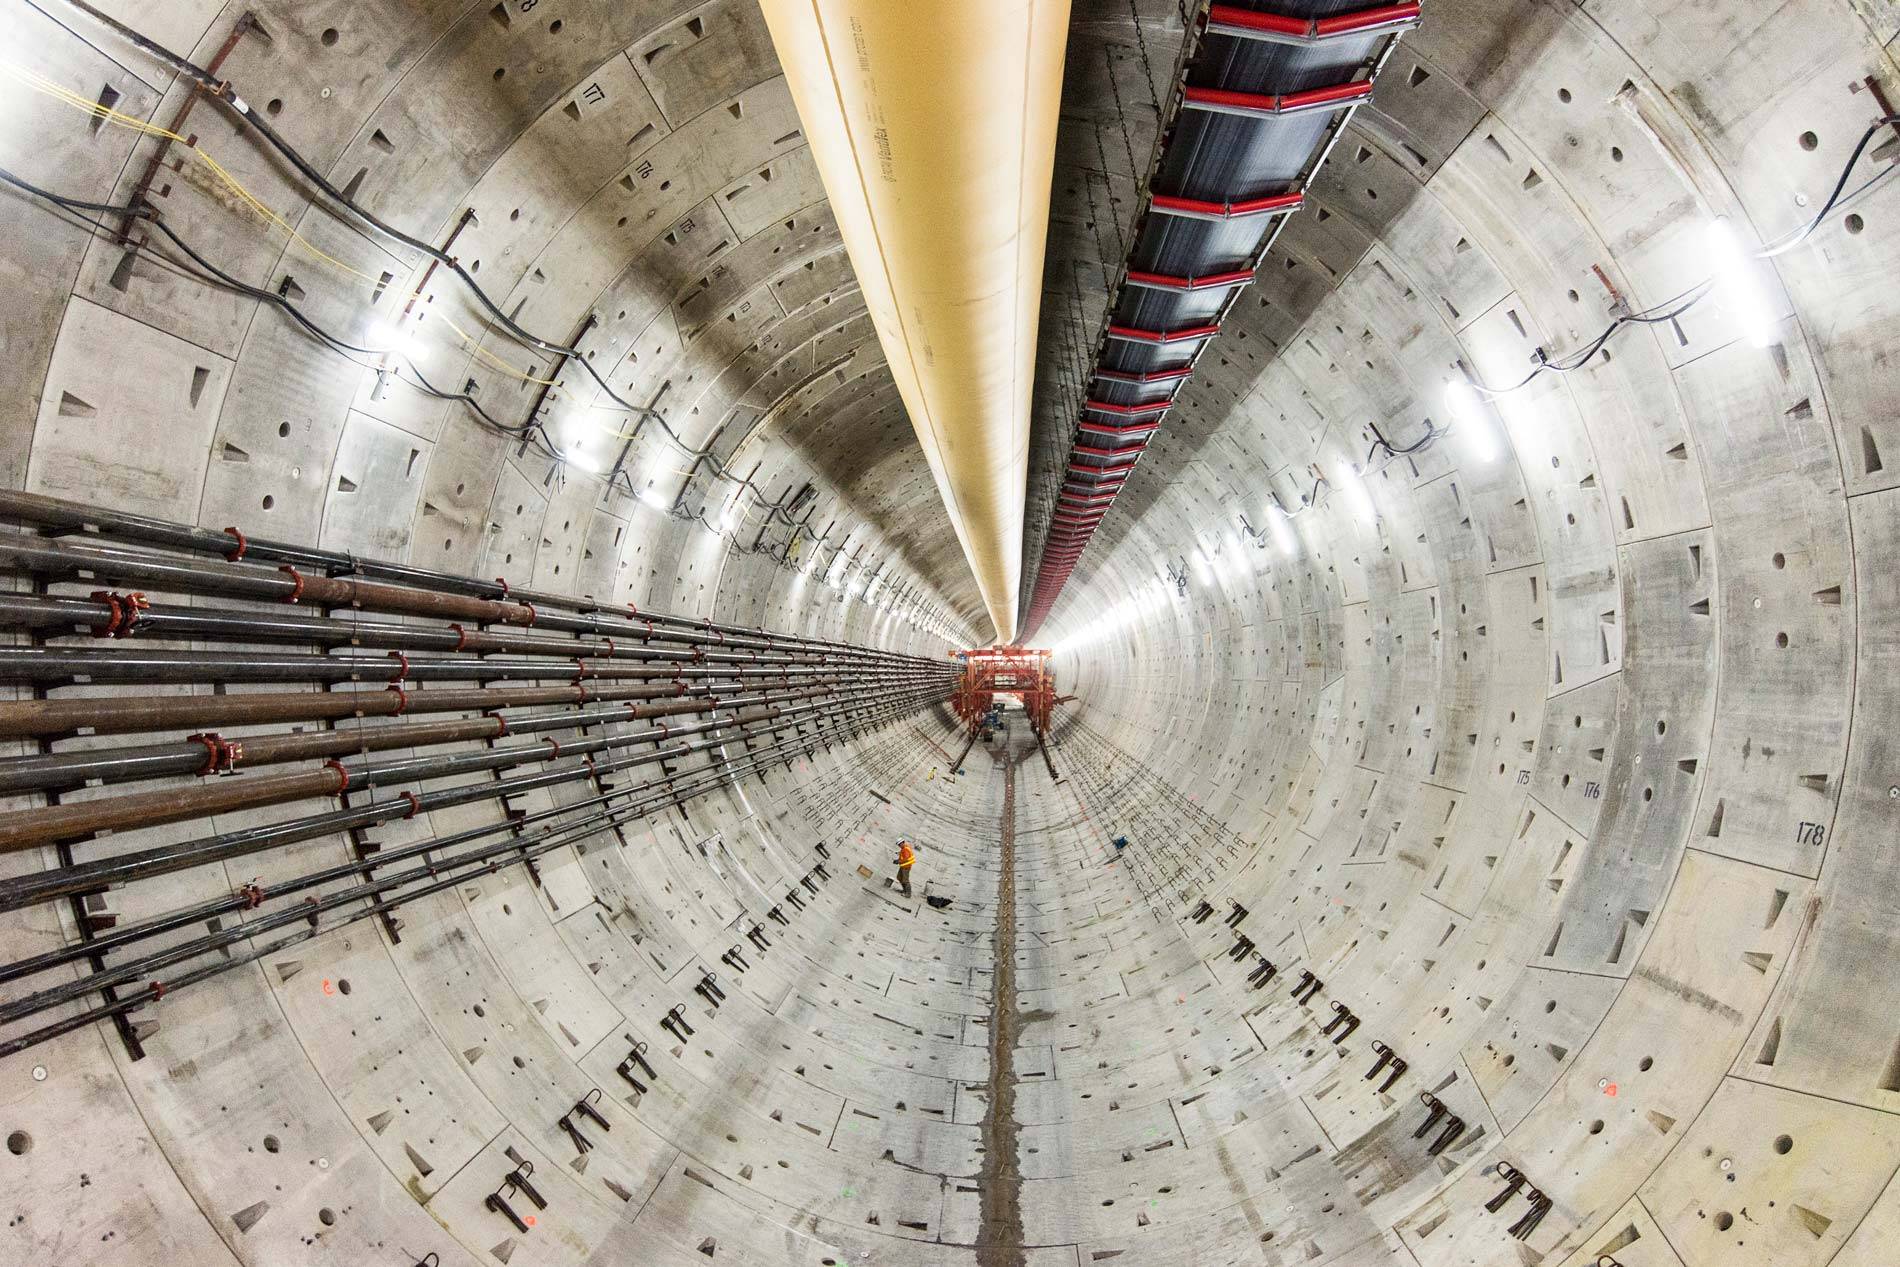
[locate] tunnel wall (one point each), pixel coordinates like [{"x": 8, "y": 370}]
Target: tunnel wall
[
  {"x": 358, "y": 1100},
  {"x": 1566, "y": 773},
  {"x": 1519, "y": 767}
]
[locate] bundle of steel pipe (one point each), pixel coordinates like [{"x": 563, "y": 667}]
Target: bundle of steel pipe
[
  {"x": 441, "y": 872},
  {"x": 101, "y": 525},
  {"x": 525, "y": 691}
]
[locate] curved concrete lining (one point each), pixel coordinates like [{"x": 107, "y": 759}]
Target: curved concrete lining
[{"x": 1565, "y": 776}]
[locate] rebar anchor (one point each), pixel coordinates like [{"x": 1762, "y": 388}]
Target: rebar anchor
[
  {"x": 758, "y": 938},
  {"x": 636, "y": 1056},
  {"x": 676, "y": 1024},
  {"x": 1200, "y": 913},
  {"x": 1513, "y": 1180},
  {"x": 584, "y": 1106},
  {"x": 1241, "y": 948},
  {"x": 1386, "y": 1057},
  {"x": 1454, "y": 1125},
  {"x": 1540, "y": 1206},
  {"x": 1527, "y": 1223},
  {"x": 735, "y": 960},
  {"x": 708, "y": 989},
  {"x": 1262, "y": 974},
  {"x": 1309, "y": 986},
  {"x": 1342, "y": 1015},
  {"x": 517, "y": 1181},
  {"x": 1239, "y": 913}
]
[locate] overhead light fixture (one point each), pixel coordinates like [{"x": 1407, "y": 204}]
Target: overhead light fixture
[
  {"x": 1468, "y": 415},
  {"x": 652, "y": 498},
  {"x": 1738, "y": 284},
  {"x": 1357, "y": 498},
  {"x": 1281, "y": 524},
  {"x": 580, "y": 461}
]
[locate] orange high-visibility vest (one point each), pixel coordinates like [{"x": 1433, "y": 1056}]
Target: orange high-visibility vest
[{"x": 904, "y": 856}]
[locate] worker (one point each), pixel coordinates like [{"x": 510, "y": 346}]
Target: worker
[{"x": 905, "y": 857}]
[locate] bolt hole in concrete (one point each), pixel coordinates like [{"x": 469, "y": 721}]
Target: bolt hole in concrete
[
  {"x": 1784, "y": 1144},
  {"x": 1647, "y": 1061},
  {"x": 1724, "y": 1221},
  {"x": 19, "y": 1143},
  {"x": 326, "y": 1216},
  {"x": 330, "y": 38},
  {"x": 269, "y": 501},
  {"x": 272, "y": 1144},
  {"x": 1854, "y": 223},
  {"x": 1810, "y": 141},
  {"x": 343, "y": 984}
]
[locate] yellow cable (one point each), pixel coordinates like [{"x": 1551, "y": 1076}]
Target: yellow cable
[
  {"x": 484, "y": 354},
  {"x": 39, "y": 83}
]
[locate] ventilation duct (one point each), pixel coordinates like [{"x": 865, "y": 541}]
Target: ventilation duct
[{"x": 934, "y": 128}]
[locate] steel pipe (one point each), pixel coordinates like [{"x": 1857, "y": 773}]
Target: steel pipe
[
  {"x": 309, "y": 913},
  {"x": 95, "y": 876},
  {"x": 132, "y": 713},
  {"x": 129, "y": 664},
  {"x": 16, "y": 1009},
  {"x": 25, "y": 829},
  {"x": 209, "y": 754},
  {"x": 98, "y": 523}
]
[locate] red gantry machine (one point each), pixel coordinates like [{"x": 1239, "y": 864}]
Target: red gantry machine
[{"x": 1020, "y": 671}]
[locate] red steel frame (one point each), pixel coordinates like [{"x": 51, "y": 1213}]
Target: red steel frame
[{"x": 991, "y": 671}]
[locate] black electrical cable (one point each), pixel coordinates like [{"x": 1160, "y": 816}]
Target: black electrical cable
[
  {"x": 210, "y": 274},
  {"x": 223, "y": 92},
  {"x": 1696, "y": 294},
  {"x": 340, "y": 345},
  {"x": 1834, "y": 198}
]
